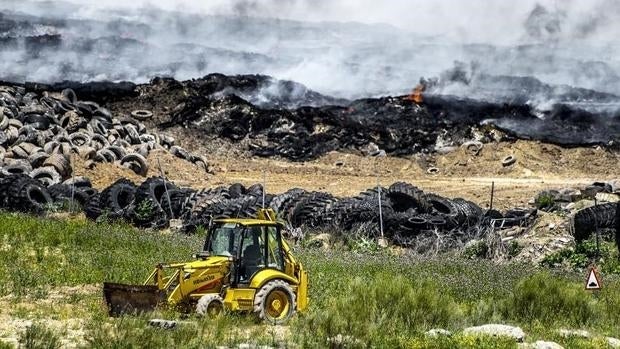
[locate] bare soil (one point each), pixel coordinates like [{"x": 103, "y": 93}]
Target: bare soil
[{"x": 538, "y": 167}]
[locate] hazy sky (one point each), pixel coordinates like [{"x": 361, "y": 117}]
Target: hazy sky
[{"x": 469, "y": 20}]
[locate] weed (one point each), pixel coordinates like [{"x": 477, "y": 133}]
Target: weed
[
  {"x": 550, "y": 300},
  {"x": 374, "y": 310},
  {"x": 545, "y": 201},
  {"x": 144, "y": 210},
  {"x": 38, "y": 336},
  {"x": 585, "y": 253},
  {"x": 476, "y": 249},
  {"x": 514, "y": 249}
]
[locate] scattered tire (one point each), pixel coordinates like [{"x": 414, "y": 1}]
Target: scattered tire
[
  {"x": 142, "y": 114},
  {"x": 509, "y": 160},
  {"x": 432, "y": 170},
  {"x": 135, "y": 162}
]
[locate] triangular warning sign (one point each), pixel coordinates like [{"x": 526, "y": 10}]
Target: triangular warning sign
[{"x": 593, "y": 283}]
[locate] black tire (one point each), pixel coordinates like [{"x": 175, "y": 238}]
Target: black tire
[
  {"x": 28, "y": 195},
  {"x": 311, "y": 210},
  {"x": 147, "y": 210},
  {"x": 587, "y": 220},
  {"x": 469, "y": 212},
  {"x": 117, "y": 198},
  {"x": 269, "y": 296},
  {"x": 255, "y": 190},
  {"x": 18, "y": 168},
  {"x": 236, "y": 190},
  {"x": 446, "y": 208},
  {"x": 46, "y": 175},
  {"x": 175, "y": 206},
  {"x": 279, "y": 202},
  {"x": 404, "y": 196},
  {"x": 211, "y": 305},
  {"x": 79, "y": 182},
  {"x": 135, "y": 162},
  {"x": 92, "y": 210}
]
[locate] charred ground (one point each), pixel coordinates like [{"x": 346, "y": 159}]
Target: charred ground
[{"x": 268, "y": 117}]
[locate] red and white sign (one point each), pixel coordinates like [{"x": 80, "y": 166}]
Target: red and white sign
[{"x": 593, "y": 283}]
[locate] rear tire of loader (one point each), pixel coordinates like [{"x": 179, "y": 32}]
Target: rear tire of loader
[
  {"x": 211, "y": 305},
  {"x": 275, "y": 302}
]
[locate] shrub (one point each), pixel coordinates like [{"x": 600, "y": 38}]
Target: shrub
[
  {"x": 476, "y": 249},
  {"x": 545, "y": 201},
  {"x": 38, "y": 336},
  {"x": 379, "y": 311},
  {"x": 549, "y": 300}
]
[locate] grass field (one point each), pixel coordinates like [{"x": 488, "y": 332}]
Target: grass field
[{"x": 51, "y": 272}]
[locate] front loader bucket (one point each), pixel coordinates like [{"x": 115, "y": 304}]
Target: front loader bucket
[{"x": 131, "y": 299}]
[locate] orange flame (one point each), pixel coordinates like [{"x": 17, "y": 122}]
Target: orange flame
[{"x": 416, "y": 94}]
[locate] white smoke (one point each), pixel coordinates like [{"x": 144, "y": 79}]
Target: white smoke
[{"x": 347, "y": 48}]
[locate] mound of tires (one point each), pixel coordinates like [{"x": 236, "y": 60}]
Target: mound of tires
[
  {"x": 41, "y": 134},
  {"x": 22, "y": 193},
  {"x": 408, "y": 214}
]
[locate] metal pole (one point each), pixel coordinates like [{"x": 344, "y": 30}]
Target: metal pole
[
  {"x": 598, "y": 246},
  {"x": 379, "y": 194},
  {"x": 72, "y": 182},
  {"x": 161, "y": 172},
  {"x": 492, "y": 194},
  {"x": 264, "y": 186}
]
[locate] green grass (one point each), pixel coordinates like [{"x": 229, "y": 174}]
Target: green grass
[
  {"x": 359, "y": 298},
  {"x": 40, "y": 253}
]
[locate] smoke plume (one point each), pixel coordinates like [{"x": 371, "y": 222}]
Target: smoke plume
[{"x": 344, "y": 48}]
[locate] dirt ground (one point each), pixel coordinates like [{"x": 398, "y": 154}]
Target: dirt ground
[{"x": 538, "y": 167}]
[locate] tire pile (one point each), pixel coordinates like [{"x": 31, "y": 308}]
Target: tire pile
[
  {"x": 410, "y": 216},
  {"x": 600, "y": 217},
  {"x": 227, "y": 107},
  {"x": 41, "y": 133}
]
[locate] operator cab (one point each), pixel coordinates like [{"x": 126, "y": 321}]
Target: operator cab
[{"x": 251, "y": 245}]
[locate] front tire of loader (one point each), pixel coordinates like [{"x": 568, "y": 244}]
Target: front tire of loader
[
  {"x": 211, "y": 305},
  {"x": 275, "y": 302}
]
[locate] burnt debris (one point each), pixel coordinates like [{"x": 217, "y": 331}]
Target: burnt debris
[
  {"x": 395, "y": 124},
  {"x": 270, "y": 117}
]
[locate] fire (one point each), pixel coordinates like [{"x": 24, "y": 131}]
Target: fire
[{"x": 416, "y": 94}]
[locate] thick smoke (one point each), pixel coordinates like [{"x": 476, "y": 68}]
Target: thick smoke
[{"x": 345, "y": 48}]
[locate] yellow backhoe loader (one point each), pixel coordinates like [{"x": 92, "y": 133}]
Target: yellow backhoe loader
[{"x": 245, "y": 266}]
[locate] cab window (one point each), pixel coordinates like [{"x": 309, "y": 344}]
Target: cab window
[
  {"x": 252, "y": 253},
  {"x": 222, "y": 241},
  {"x": 275, "y": 254}
]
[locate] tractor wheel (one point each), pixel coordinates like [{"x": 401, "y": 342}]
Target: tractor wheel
[
  {"x": 275, "y": 302},
  {"x": 211, "y": 305}
]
